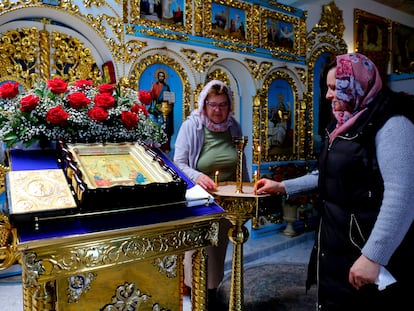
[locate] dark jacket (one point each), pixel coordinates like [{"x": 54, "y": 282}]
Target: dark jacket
[{"x": 351, "y": 188}]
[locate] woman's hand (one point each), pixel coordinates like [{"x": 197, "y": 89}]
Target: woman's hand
[
  {"x": 265, "y": 185},
  {"x": 363, "y": 271},
  {"x": 206, "y": 182}
]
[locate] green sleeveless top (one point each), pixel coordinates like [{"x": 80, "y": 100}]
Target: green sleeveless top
[{"x": 218, "y": 154}]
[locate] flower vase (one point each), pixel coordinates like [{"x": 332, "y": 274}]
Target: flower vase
[{"x": 289, "y": 216}]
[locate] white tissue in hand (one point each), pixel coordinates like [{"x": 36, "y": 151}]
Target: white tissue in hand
[
  {"x": 198, "y": 196},
  {"x": 384, "y": 279}
]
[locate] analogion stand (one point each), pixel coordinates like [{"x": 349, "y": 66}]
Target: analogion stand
[{"x": 111, "y": 258}]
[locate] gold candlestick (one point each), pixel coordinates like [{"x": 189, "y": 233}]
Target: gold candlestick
[{"x": 240, "y": 142}]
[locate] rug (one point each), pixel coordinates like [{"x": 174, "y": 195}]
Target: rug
[{"x": 272, "y": 287}]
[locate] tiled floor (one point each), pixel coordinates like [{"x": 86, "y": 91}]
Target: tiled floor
[{"x": 273, "y": 248}]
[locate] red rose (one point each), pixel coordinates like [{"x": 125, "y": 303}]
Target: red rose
[
  {"x": 57, "y": 115},
  {"x": 106, "y": 88},
  {"x": 139, "y": 108},
  {"x": 78, "y": 100},
  {"x": 104, "y": 100},
  {"x": 29, "y": 103},
  {"x": 9, "y": 90},
  {"x": 145, "y": 97},
  {"x": 98, "y": 114},
  {"x": 83, "y": 83},
  {"x": 129, "y": 119},
  {"x": 57, "y": 86}
]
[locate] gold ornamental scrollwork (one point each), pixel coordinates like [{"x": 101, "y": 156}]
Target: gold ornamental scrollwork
[
  {"x": 258, "y": 71},
  {"x": 78, "y": 285},
  {"x": 20, "y": 55},
  {"x": 167, "y": 265},
  {"x": 127, "y": 297},
  {"x": 70, "y": 52},
  {"x": 34, "y": 268},
  {"x": 331, "y": 19},
  {"x": 218, "y": 75},
  {"x": 75, "y": 258},
  {"x": 199, "y": 61},
  {"x": 8, "y": 242},
  {"x": 237, "y": 206}
]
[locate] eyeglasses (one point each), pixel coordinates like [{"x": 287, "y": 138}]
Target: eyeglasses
[{"x": 220, "y": 106}]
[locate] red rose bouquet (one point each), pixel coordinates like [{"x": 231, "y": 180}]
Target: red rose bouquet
[{"x": 81, "y": 112}]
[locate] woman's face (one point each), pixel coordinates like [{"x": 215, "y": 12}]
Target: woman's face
[
  {"x": 217, "y": 108},
  {"x": 330, "y": 82}
]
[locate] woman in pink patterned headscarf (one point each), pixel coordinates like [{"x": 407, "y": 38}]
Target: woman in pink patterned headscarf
[
  {"x": 365, "y": 181},
  {"x": 357, "y": 82}
]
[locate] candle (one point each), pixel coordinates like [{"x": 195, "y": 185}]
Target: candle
[
  {"x": 255, "y": 176},
  {"x": 258, "y": 161},
  {"x": 216, "y": 176}
]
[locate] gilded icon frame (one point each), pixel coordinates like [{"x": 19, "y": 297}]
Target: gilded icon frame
[
  {"x": 297, "y": 120},
  {"x": 401, "y": 35},
  {"x": 372, "y": 38},
  {"x": 184, "y": 26},
  {"x": 233, "y": 8},
  {"x": 287, "y": 44}
]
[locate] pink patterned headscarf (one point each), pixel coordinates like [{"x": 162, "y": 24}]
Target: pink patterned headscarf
[
  {"x": 357, "y": 83},
  {"x": 202, "y": 113}
]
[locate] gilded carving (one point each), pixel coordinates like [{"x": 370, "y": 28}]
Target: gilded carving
[
  {"x": 255, "y": 24},
  {"x": 20, "y": 55},
  {"x": 33, "y": 269},
  {"x": 71, "y": 60},
  {"x": 127, "y": 297},
  {"x": 199, "y": 62},
  {"x": 218, "y": 75},
  {"x": 199, "y": 285},
  {"x": 44, "y": 47},
  {"x": 259, "y": 128},
  {"x": 79, "y": 284},
  {"x": 198, "y": 17},
  {"x": 167, "y": 265},
  {"x": 237, "y": 206},
  {"x": 132, "y": 49},
  {"x": 73, "y": 258},
  {"x": 196, "y": 93},
  {"x": 331, "y": 19},
  {"x": 212, "y": 233},
  {"x": 8, "y": 241},
  {"x": 258, "y": 71}
]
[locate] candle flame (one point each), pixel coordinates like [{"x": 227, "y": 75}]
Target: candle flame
[{"x": 217, "y": 172}]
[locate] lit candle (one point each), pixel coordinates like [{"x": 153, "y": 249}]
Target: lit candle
[
  {"x": 258, "y": 161},
  {"x": 216, "y": 176},
  {"x": 255, "y": 176}
]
